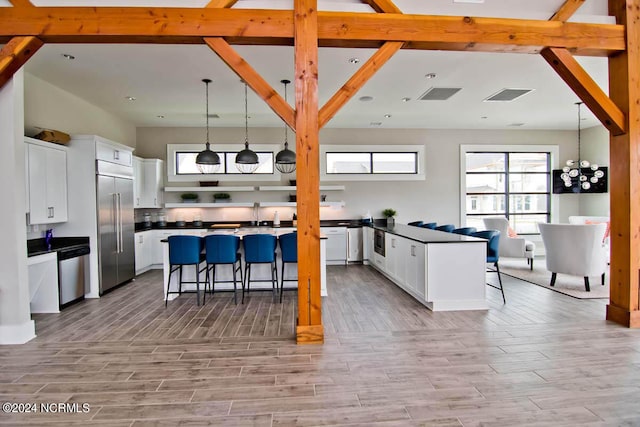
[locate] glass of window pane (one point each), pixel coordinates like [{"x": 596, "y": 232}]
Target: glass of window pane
[
  {"x": 528, "y": 203},
  {"x": 526, "y": 224},
  {"x": 486, "y": 204},
  {"x": 186, "y": 164},
  {"x": 528, "y": 183},
  {"x": 395, "y": 163},
  {"x": 486, "y": 183},
  {"x": 485, "y": 162},
  {"x": 348, "y": 162},
  {"x": 528, "y": 162}
]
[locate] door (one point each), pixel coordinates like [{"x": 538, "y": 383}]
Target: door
[
  {"x": 107, "y": 232},
  {"x": 126, "y": 257}
]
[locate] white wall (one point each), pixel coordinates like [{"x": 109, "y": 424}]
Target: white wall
[
  {"x": 435, "y": 199},
  {"x": 47, "y": 106}
]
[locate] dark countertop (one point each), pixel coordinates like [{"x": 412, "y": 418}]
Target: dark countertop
[
  {"x": 425, "y": 235},
  {"x": 39, "y": 247},
  {"x": 349, "y": 223}
]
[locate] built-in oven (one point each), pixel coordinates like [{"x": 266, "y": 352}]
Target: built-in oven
[{"x": 378, "y": 242}]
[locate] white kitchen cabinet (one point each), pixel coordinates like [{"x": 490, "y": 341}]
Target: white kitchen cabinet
[
  {"x": 156, "y": 245},
  {"x": 415, "y": 268},
  {"x": 47, "y": 182},
  {"x": 395, "y": 248},
  {"x": 354, "y": 244},
  {"x": 114, "y": 153},
  {"x": 336, "y": 244},
  {"x": 152, "y": 183},
  {"x": 148, "y": 180},
  {"x": 143, "y": 250},
  {"x": 43, "y": 283},
  {"x": 138, "y": 181},
  {"x": 367, "y": 245}
]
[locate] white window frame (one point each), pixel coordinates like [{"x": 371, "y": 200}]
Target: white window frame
[
  {"x": 553, "y": 150},
  {"x": 420, "y": 176},
  {"x": 171, "y": 163}
]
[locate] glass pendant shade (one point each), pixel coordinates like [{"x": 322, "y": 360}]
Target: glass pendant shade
[
  {"x": 246, "y": 160},
  {"x": 286, "y": 159},
  {"x": 207, "y": 161}
]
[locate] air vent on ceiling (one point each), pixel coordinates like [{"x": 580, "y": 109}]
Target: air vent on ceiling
[
  {"x": 439, "y": 93},
  {"x": 506, "y": 95},
  {"x": 214, "y": 116},
  {"x": 517, "y": 124}
]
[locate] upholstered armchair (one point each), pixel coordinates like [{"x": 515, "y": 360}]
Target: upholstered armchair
[
  {"x": 575, "y": 249},
  {"x": 511, "y": 247},
  {"x": 576, "y": 219}
]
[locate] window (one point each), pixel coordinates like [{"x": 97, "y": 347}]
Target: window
[
  {"x": 371, "y": 163},
  {"x": 186, "y": 163},
  {"x": 514, "y": 184}
]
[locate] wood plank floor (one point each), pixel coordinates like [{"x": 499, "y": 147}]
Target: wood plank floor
[{"x": 541, "y": 359}]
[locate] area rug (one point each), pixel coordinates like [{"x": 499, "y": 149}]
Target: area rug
[{"x": 565, "y": 284}]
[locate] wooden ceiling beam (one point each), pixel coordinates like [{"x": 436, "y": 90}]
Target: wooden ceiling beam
[
  {"x": 586, "y": 88},
  {"x": 14, "y": 54},
  {"x": 382, "y": 6},
  {"x": 21, "y": 3},
  {"x": 221, "y": 3},
  {"x": 275, "y": 27},
  {"x": 357, "y": 81},
  {"x": 566, "y": 11},
  {"x": 247, "y": 73}
]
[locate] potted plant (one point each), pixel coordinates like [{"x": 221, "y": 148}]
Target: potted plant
[
  {"x": 221, "y": 197},
  {"x": 189, "y": 197},
  {"x": 390, "y": 214}
]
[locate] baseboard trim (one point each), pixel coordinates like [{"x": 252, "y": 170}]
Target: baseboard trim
[
  {"x": 17, "y": 334},
  {"x": 622, "y": 316}
]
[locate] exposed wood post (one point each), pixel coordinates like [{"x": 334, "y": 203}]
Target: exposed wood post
[
  {"x": 567, "y": 10},
  {"x": 21, "y": 3},
  {"x": 587, "y": 90},
  {"x": 14, "y": 55},
  {"x": 355, "y": 83},
  {"x": 624, "y": 89},
  {"x": 309, "y": 328},
  {"x": 221, "y": 3},
  {"x": 382, "y": 6},
  {"x": 259, "y": 85}
]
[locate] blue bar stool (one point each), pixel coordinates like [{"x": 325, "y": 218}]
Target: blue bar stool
[
  {"x": 289, "y": 249},
  {"x": 465, "y": 230},
  {"x": 185, "y": 250},
  {"x": 223, "y": 249},
  {"x": 446, "y": 227},
  {"x": 416, "y": 223},
  {"x": 493, "y": 240},
  {"x": 429, "y": 225},
  {"x": 260, "y": 249}
]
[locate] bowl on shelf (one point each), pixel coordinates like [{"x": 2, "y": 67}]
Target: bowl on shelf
[
  {"x": 292, "y": 182},
  {"x": 292, "y": 197}
]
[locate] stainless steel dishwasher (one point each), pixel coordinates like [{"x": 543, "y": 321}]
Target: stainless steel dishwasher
[{"x": 72, "y": 264}]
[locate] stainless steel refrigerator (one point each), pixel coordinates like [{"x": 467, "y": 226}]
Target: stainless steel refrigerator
[{"x": 115, "y": 224}]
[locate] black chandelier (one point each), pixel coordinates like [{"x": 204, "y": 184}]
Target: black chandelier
[
  {"x": 286, "y": 159},
  {"x": 207, "y": 161}
]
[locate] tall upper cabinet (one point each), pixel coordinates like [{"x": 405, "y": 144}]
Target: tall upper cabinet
[
  {"x": 148, "y": 183},
  {"x": 46, "y": 182}
]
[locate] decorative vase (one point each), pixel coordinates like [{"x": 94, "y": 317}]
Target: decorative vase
[{"x": 391, "y": 221}]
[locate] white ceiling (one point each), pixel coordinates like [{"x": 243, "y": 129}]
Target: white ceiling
[{"x": 166, "y": 79}]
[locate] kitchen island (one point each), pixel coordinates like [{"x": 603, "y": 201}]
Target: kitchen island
[
  {"x": 260, "y": 273},
  {"x": 443, "y": 271}
]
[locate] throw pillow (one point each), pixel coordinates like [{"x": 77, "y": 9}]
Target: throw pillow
[{"x": 511, "y": 232}]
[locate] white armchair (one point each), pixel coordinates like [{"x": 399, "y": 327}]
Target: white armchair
[
  {"x": 511, "y": 247},
  {"x": 574, "y": 249}
]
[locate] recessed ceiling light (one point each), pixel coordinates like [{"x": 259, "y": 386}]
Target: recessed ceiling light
[
  {"x": 484, "y": 117},
  {"x": 405, "y": 99},
  {"x": 431, "y": 76},
  {"x": 354, "y": 60},
  {"x": 69, "y": 57},
  {"x": 387, "y": 116},
  {"x": 376, "y": 123},
  {"x": 130, "y": 98},
  {"x": 160, "y": 117},
  {"x": 366, "y": 98}
]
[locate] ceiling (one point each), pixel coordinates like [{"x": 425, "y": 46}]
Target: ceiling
[{"x": 166, "y": 79}]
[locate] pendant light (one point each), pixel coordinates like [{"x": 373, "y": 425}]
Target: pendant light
[
  {"x": 246, "y": 160},
  {"x": 286, "y": 159},
  {"x": 207, "y": 161},
  {"x": 572, "y": 172}
]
